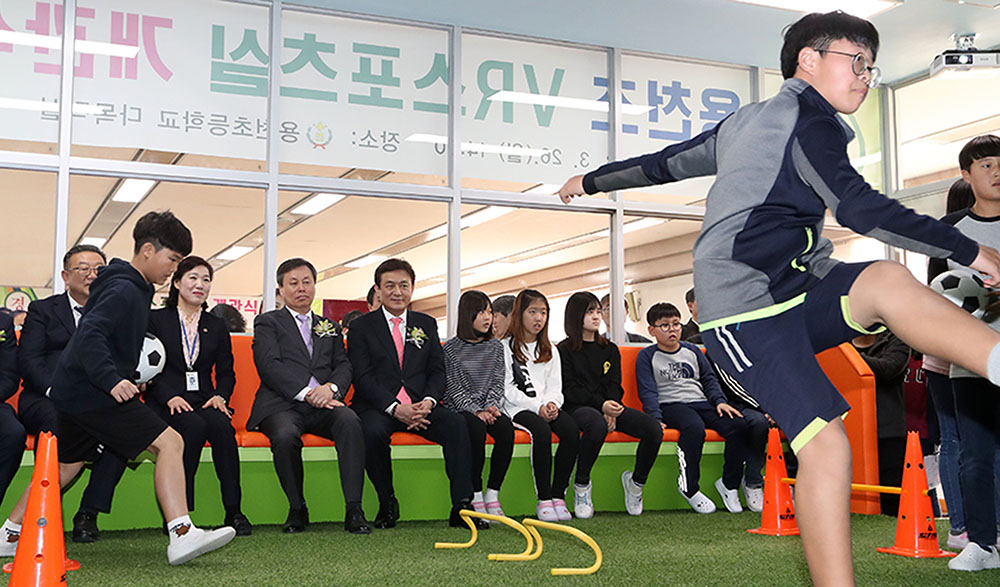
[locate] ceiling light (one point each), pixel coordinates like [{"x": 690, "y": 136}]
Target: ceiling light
[
  {"x": 317, "y": 204},
  {"x": 133, "y": 190},
  {"x": 961, "y": 132},
  {"x": 632, "y": 226},
  {"x": 42, "y": 106},
  {"x": 363, "y": 261},
  {"x": 563, "y": 102},
  {"x": 545, "y": 189},
  {"x": 234, "y": 252},
  {"x": 862, "y": 8},
  {"x": 485, "y": 215},
  {"x": 94, "y": 241},
  {"x": 82, "y": 46},
  {"x": 478, "y": 147}
]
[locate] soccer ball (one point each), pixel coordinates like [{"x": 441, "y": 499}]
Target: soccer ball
[
  {"x": 965, "y": 289},
  {"x": 151, "y": 359}
]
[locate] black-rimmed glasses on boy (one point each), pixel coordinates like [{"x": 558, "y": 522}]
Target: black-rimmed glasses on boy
[{"x": 859, "y": 65}]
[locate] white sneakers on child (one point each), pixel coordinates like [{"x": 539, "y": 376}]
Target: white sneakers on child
[
  {"x": 730, "y": 497},
  {"x": 493, "y": 508},
  {"x": 197, "y": 542},
  {"x": 633, "y": 494},
  {"x": 754, "y": 496},
  {"x": 478, "y": 504},
  {"x": 561, "y": 510},
  {"x": 974, "y": 558},
  {"x": 546, "y": 511},
  {"x": 8, "y": 542},
  {"x": 958, "y": 541},
  {"x": 583, "y": 504},
  {"x": 700, "y": 503}
]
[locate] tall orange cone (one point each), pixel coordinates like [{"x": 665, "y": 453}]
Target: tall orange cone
[
  {"x": 778, "y": 517},
  {"x": 41, "y": 551},
  {"x": 916, "y": 535}
]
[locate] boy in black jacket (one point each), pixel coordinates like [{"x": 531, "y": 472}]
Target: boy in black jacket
[{"x": 94, "y": 394}]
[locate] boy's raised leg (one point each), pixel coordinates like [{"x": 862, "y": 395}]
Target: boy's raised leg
[
  {"x": 823, "y": 505},
  {"x": 12, "y": 526}
]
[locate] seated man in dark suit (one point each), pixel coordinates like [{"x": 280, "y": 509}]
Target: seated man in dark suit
[
  {"x": 49, "y": 325},
  {"x": 11, "y": 432},
  {"x": 304, "y": 376},
  {"x": 399, "y": 379},
  {"x": 690, "y": 331}
]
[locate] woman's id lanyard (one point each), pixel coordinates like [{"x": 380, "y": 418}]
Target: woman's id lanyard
[{"x": 191, "y": 376}]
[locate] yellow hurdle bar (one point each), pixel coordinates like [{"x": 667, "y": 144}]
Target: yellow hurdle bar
[
  {"x": 475, "y": 536},
  {"x": 863, "y": 487},
  {"x": 467, "y": 516},
  {"x": 570, "y": 530}
]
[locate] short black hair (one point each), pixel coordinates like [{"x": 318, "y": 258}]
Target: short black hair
[
  {"x": 661, "y": 310},
  {"x": 235, "y": 322},
  {"x": 504, "y": 304},
  {"x": 162, "y": 230},
  {"x": 606, "y": 299},
  {"x": 960, "y": 197},
  {"x": 349, "y": 317},
  {"x": 470, "y": 305},
  {"x": 394, "y": 265},
  {"x": 576, "y": 310},
  {"x": 978, "y": 148},
  {"x": 187, "y": 264},
  {"x": 371, "y": 295},
  {"x": 819, "y": 31},
  {"x": 689, "y": 296},
  {"x": 294, "y": 263},
  {"x": 76, "y": 250}
]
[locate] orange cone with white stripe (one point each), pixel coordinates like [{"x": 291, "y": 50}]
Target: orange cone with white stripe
[{"x": 778, "y": 517}]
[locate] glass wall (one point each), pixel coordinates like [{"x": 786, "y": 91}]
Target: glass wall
[{"x": 28, "y": 203}]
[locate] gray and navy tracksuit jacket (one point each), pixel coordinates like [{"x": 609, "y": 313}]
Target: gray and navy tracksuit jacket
[{"x": 779, "y": 164}]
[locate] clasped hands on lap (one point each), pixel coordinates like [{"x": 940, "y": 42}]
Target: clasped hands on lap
[
  {"x": 414, "y": 415},
  {"x": 323, "y": 397}
]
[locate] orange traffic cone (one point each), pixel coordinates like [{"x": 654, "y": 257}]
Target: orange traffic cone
[
  {"x": 41, "y": 551},
  {"x": 916, "y": 535},
  {"x": 778, "y": 517}
]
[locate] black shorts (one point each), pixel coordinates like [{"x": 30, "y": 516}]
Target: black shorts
[
  {"x": 126, "y": 429},
  {"x": 774, "y": 357}
]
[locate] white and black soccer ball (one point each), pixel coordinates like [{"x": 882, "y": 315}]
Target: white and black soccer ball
[
  {"x": 152, "y": 358},
  {"x": 965, "y": 289}
]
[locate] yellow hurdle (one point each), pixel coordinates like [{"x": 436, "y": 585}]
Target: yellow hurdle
[
  {"x": 467, "y": 516},
  {"x": 569, "y": 530},
  {"x": 863, "y": 487}
]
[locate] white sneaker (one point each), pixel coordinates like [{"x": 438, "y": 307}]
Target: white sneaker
[
  {"x": 700, "y": 503},
  {"x": 8, "y": 543},
  {"x": 479, "y": 506},
  {"x": 493, "y": 508},
  {"x": 974, "y": 558},
  {"x": 197, "y": 542},
  {"x": 957, "y": 541},
  {"x": 546, "y": 512},
  {"x": 562, "y": 512},
  {"x": 730, "y": 497},
  {"x": 754, "y": 496},
  {"x": 583, "y": 505},
  {"x": 633, "y": 494}
]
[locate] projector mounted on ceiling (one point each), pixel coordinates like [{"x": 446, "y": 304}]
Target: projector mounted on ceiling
[{"x": 966, "y": 60}]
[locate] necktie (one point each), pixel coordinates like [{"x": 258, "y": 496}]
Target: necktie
[
  {"x": 77, "y": 314},
  {"x": 397, "y": 339},
  {"x": 307, "y": 338}
]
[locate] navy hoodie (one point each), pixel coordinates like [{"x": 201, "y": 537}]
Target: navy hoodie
[{"x": 105, "y": 348}]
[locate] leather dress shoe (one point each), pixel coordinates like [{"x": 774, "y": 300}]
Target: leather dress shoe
[
  {"x": 296, "y": 522},
  {"x": 240, "y": 523},
  {"x": 85, "y": 527},
  {"x": 388, "y": 514},
  {"x": 456, "y": 521},
  {"x": 355, "y": 522}
]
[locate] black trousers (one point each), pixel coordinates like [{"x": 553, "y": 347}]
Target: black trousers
[
  {"x": 502, "y": 432},
  {"x": 690, "y": 420},
  {"x": 447, "y": 428},
  {"x": 40, "y": 416},
  {"x": 977, "y": 413},
  {"x": 551, "y": 483},
  {"x": 211, "y": 425},
  {"x": 594, "y": 429},
  {"x": 341, "y": 425},
  {"x": 12, "y": 439}
]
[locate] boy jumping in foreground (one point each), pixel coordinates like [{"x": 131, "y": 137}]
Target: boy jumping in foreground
[{"x": 769, "y": 295}]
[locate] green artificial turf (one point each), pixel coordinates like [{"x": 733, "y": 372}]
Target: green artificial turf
[{"x": 657, "y": 548}]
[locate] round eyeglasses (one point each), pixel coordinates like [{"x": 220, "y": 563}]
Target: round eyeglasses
[{"x": 860, "y": 66}]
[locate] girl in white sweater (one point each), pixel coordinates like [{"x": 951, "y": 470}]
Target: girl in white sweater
[{"x": 533, "y": 400}]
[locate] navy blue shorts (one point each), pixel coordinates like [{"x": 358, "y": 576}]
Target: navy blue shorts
[{"x": 774, "y": 357}]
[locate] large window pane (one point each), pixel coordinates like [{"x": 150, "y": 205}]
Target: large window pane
[
  {"x": 29, "y": 204},
  {"x": 936, "y": 117},
  {"x": 193, "y": 87},
  {"x": 363, "y": 100},
  {"x": 226, "y": 224},
  {"x": 533, "y": 113},
  {"x": 557, "y": 253},
  {"x": 30, "y": 58}
]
